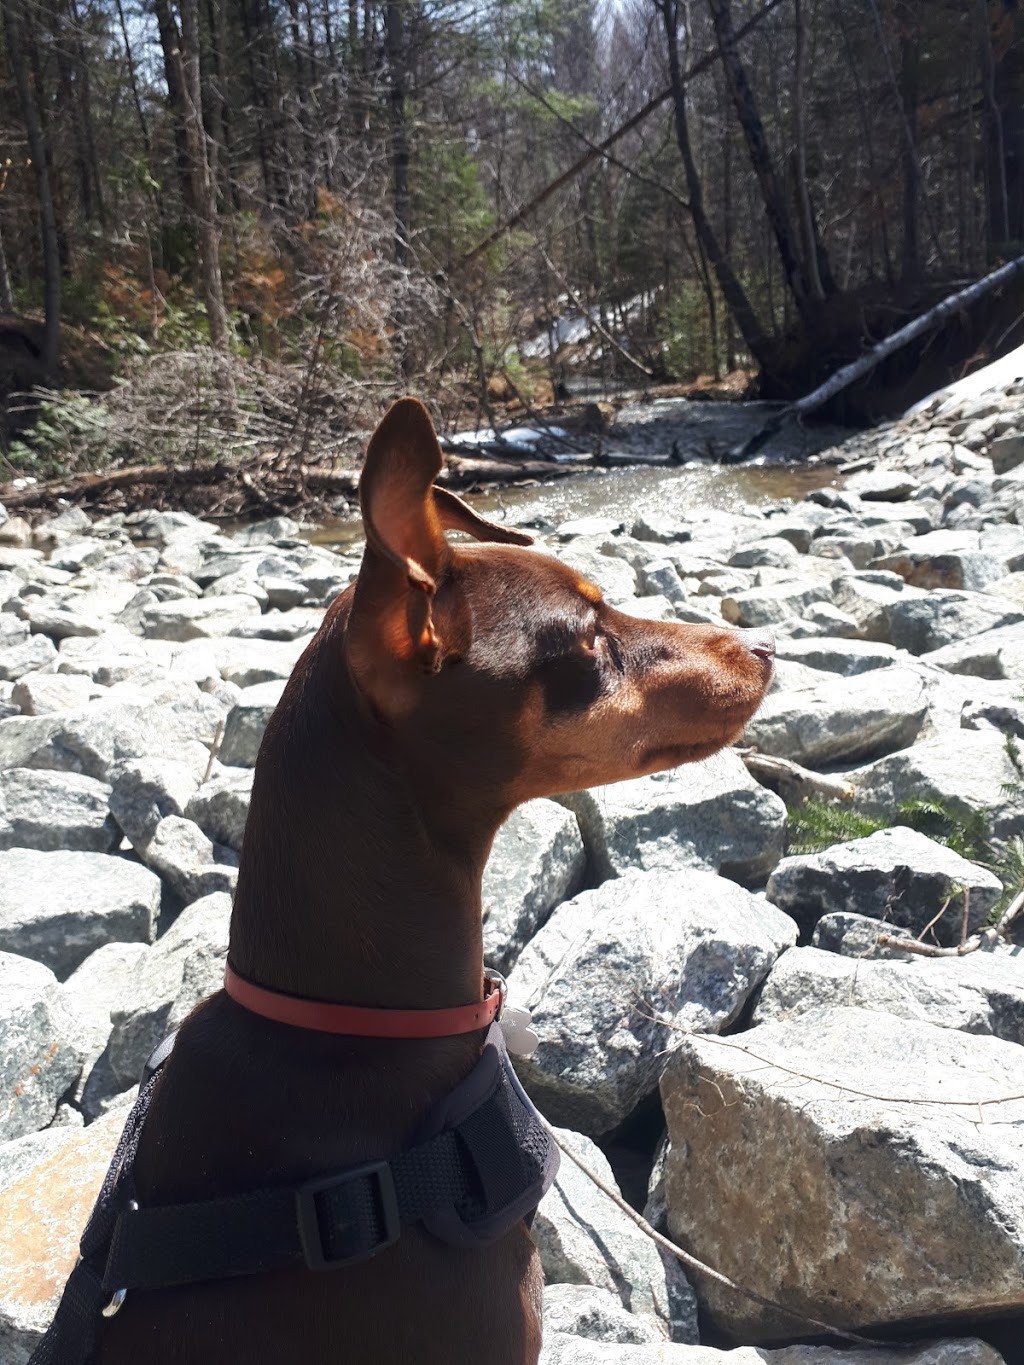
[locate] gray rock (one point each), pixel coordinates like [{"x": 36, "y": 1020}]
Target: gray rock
[
  {"x": 536, "y": 862},
  {"x": 883, "y": 485},
  {"x": 617, "y": 974},
  {"x": 26, "y": 656},
  {"x": 101, "y": 736},
  {"x": 662, "y": 530},
  {"x": 979, "y": 993},
  {"x": 846, "y": 657},
  {"x": 267, "y": 532},
  {"x": 583, "y": 1239},
  {"x": 247, "y": 719},
  {"x": 199, "y": 618},
  {"x": 584, "y": 1310},
  {"x": 59, "y": 907},
  {"x": 969, "y": 773},
  {"x": 145, "y": 790},
  {"x": 95, "y": 988},
  {"x": 775, "y": 602},
  {"x": 186, "y": 965},
  {"x": 897, "y": 875},
  {"x": 991, "y": 654},
  {"x": 711, "y": 814},
  {"x": 220, "y": 807},
  {"x": 47, "y": 617},
  {"x": 659, "y": 578},
  {"x": 43, "y": 694},
  {"x": 869, "y": 602},
  {"x": 38, "y": 1060},
  {"x": 190, "y": 863},
  {"x": 563, "y": 1349},
  {"x": 614, "y": 577},
  {"x": 856, "y": 935},
  {"x": 1005, "y": 714},
  {"x": 841, "y": 720},
  {"x": 905, "y": 1148},
  {"x": 294, "y": 624},
  {"x": 941, "y": 618},
  {"x": 48, "y": 811},
  {"x": 772, "y": 552}
]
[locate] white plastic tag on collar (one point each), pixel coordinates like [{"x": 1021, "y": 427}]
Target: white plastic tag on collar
[{"x": 520, "y": 1039}]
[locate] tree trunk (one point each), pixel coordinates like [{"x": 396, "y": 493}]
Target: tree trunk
[
  {"x": 732, "y": 291},
  {"x": 909, "y": 88},
  {"x": 16, "y": 35},
  {"x": 760, "y": 156},
  {"x": 394, "y": 38},
  {"x": 808, "y": 234}
]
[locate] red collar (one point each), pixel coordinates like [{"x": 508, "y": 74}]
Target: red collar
[{"x": 361, "y": 1021}]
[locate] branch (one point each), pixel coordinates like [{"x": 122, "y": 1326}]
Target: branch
[{"x": 791, "y": 781}]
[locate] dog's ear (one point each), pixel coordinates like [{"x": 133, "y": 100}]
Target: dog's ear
[
  {"x": 390, "y": 636},
  {"x": 456, "y": 515}
]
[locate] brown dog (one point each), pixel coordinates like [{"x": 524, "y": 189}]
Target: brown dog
[{"x": 450, "y": 684}]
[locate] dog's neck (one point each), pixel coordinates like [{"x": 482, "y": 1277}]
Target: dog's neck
[{"x": 353, "y": 887}]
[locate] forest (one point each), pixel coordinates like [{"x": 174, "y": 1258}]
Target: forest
[{"x": 237, "y": 228}]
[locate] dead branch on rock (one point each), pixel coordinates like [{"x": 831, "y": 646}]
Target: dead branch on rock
[
  {"x": 791, "y": 781},
  {"x": 700, "y": 1267},
  {"x": 985, "y": 938}
]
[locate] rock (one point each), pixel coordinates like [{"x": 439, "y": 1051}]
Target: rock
[
  {"x": 841, "y": 720},
  {"x": 944, "y": 559},
  {"x": 49, "y": 811},
  {"x": 896, "y": 875},
  {"x": 1006, "y": 453},
  {"x": 908, "y": 1210},
  {"x": 659, "y": 578},
  {"x": 711, "y": 814},
  {"x": 926, "y": 623},
  {"x": 583, "y": 1239},
  {"x": 687, "y": 947},
  {"x": 765, "y": 606},
  {"x": 856, "y": 935},
  {"x": 846, "y": 657},
  {"x": 26, "y": 656},
  {"x": 38, "y": 1060},
  {"x": 1005, "y": 714},
  {"x": 973, "y": 774},
  {"x": 90, "y": 899},
  {"x": 190, "y": 863},
  {"x": 101, "y": 736},
  {"x": 46, "y": 617},
  {"x": 296, "y": 623},
  {"x": 47, "y": 1193},
  {"x": 562, "y": 1349},
  {"x": 772, "y": 552},
  {"x": 185, "y": 966},
  {"x": 883, "y": 485},
  {"x": 614, "y": 577},
  {"x": 43, "y": 694},
  {"x": 536, "y": 862},
  {"x": 267, "y": 532},
  {"x": 247, "y": 719},
  {"x": 145, "y": 790},
  {"x": 92, "y": 990},
  {"x": 221, "y": 806},
  {"x": 979, "y": 993},
  {"x": 991, "y": 654},
  {"x": 197, "y": 618},
  {"x": 868, "y": 602},
  {"x": 584, "y": 1310}
]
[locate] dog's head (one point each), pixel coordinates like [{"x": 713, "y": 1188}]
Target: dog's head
[{"x": 494, "y": 661}]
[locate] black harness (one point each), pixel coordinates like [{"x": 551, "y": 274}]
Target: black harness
[{"x": 483, "y": 1161}]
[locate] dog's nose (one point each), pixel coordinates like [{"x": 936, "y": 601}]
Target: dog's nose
[{"x": 760, "y": 642}]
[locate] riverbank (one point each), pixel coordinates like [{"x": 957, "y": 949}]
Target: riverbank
[{"x": 730, "y": 1022}]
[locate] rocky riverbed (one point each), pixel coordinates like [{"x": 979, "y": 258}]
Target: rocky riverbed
[{"x": 843, "y": 1125}]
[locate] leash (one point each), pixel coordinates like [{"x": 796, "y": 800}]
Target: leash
[{"x": 482, "y": 1163}]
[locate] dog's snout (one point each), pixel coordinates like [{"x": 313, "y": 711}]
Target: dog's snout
[{"x": 760, "y": 642}]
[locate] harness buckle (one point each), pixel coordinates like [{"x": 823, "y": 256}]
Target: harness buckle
[{"x": 346, "y": 1221}]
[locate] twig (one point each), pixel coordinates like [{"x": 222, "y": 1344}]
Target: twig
[
  {"x": 919, "y": 949},
  {"x": 793, "y": 780},
  {"x": 692, "y": 1263},
  {"x": 218, "y": 737}
]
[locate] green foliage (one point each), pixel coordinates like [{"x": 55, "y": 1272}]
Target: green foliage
[
  {"x": 817, "y": 825},
  {"x": 967, "y": 834},
  {"x": 71, "y": 432},
  {"x": 449, "y": 200},
  {"x": 688, "y": 350}
]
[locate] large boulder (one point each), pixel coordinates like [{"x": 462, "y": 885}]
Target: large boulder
[
  {"x": 584, "y": 1239},
  {"x": 617, "y": 976},
  {"x": 247, "y": 719},
  {"x": 186, "y": 965},
  {"x": 859, "y": 1172},
  {"x": 979, "y": 993},
  {"x": 38, "y": 1056},
  {"x": 841, "y": 720},
  {"x": 564, "y": 1348},
  {"x": 48, "y": 811},
  {"x": 59, "y": 907},
  {"x": 990, "y": 654},
  {"x": 194, "y": 618},
  {"x": 711, "y": 815},
  {"x": 536, "y": 862},
  {"x": 922, "y": 624},
  {"x": 894, "y": 874},
  {"x": 48, "y": 1185},
  {"x": 220, "y": 807},
  {"x": 969, "y": 772}
]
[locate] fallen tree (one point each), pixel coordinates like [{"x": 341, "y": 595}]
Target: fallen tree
[{"x": 857, "y": 369}]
